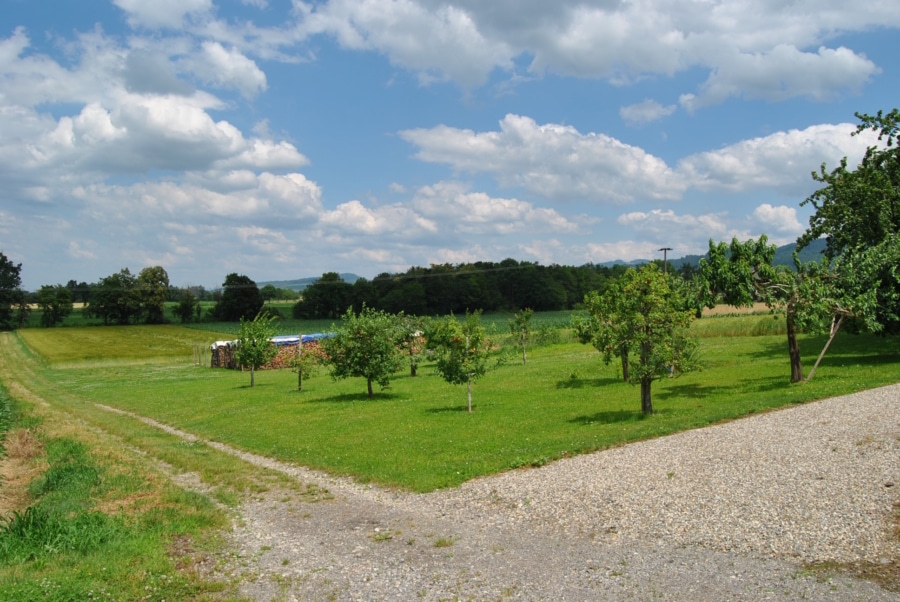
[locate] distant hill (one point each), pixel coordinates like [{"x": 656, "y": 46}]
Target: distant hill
[
  {"x": 783, "y": 256},
  {"x": 301, "y": 283},
  {"x": 813, "y": 252}
]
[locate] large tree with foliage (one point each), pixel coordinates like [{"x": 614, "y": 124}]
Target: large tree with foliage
[
  {"x": 326, "y": 298},
  {"x": 116, "y": 299},
  {"x": 809, "y": 296},
  {"x": 187, "y": 306},
  {"x": 81, "y": 291},
  {"x": 461, "y": 348},
  {"x": 642, "y": 320},
  {"x": 254, "y": 346},
  {"x": 858, "y": 210},
  {"x": 240, "y": 299},
  {"x": 364, "y": 346},
  {"x": 11, "y": 295},
  {"x": 153, "y": 287},
  {"x": 55, "y": 303}
]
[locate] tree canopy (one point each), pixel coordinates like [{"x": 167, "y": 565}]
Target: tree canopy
[
  {"x": 365, "y": 346},
  {"x": 254, "y": 347},
  {"x": 153, "y": 288},
  {"x": 461, "y": 349},
  {"x": 857, "y": 211},
  {"x": 10, "y": 293},
  {"x": 639, "y": 319},
  {"x": 115, "y": 299},
  {"x": 55, "y": 303},
  {"x": 809, "y": 296},
  {"x": 241, "y": 299}
]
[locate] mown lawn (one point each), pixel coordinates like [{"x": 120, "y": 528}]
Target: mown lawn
[{"x": 417, "y": 434}]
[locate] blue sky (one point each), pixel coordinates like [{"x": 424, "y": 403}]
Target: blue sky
[{"x": 283, "y": 139}]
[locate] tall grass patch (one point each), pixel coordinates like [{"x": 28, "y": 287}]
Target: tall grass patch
[{"x": 95, "y": 523}]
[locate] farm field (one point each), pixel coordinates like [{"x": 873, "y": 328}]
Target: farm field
[{"x": 416, "y": 435}]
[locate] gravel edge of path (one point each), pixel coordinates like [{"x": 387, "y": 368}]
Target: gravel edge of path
[{"x": 733, "y": 511}]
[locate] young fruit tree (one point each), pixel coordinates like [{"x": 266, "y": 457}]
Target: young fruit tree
[
  {"x": 254, "y": 346},
  {"x": 410, "y": 340},
  {"x": 461, "y": 349},
  {"x": 365, "y": 346},
  {"x": 304, "y": 363},
  {"x": 587, "y": 327},
  {"x": 640, "y": 320},
  {"x": 520, "y": 327}
]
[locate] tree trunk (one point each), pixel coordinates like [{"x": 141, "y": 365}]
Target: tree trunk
[
  {"x": 369, "y": 383},
  {"x": 299, "y": 378},
  {"x": 524, "y": 353},
  {"x": 646, "y": 404},
  {"x": 623, "y": 353},
  {"x": 252, "y": 373},
  {"x": 793, "y": 347},
  {"x": 412, "y": 369},
  {"x": 835, "y": 327},
  {"x": 469, "y": 393}
]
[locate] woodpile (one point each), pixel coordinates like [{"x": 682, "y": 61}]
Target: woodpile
[
  {"x": 222, "y": 355},
  {"x": 287, "y": 353}
]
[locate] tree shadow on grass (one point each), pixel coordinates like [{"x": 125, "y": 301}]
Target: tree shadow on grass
[
  {"x": 258, "y": 385},
  {"x": 447, "y": 409},
  {"x": 357, "y": 397},
  {"x": 700, "y": 391},
  {"x": 619, "y": 416},
  {"x": 609, "y": 417},
  {"x": 580, "y": 383}
]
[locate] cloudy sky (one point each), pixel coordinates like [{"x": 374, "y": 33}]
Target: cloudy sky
[{"x": 282, "y": 139}]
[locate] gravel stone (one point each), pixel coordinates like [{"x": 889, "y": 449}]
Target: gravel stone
[{"x": 734, "y": 511}]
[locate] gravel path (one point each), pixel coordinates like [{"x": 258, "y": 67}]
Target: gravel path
[{"x": 728, "y": 512}]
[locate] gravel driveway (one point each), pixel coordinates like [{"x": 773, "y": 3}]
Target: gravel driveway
[{"x": 729, "y": 512}]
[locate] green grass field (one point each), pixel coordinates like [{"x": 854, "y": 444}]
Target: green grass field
[
  {"x": 107, "y": 524},
  {"x": 416, "y": 435}
]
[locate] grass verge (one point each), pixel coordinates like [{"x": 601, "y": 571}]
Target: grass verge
[{"x": 91, "y": 513}]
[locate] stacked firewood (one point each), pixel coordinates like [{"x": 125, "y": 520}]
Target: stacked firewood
[{"x": 288, "y": 353}]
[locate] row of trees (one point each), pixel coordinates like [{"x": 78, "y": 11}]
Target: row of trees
[
  {"x": 126, "y": 298},
  {"x": 445, "y": 289},
  {"x": 375, "y": 345},
  {"x": 642, "y": 319}
]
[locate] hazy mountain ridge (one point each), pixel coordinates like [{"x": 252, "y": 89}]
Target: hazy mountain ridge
[{"x": 783, "y": 256}]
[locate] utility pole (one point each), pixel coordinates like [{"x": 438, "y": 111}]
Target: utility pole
[{"x": 665, "y": 251}]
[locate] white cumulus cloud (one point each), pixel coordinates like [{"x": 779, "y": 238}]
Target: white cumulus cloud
[
  {"x": 645, "y": 112},
  {"x": 161, "y": 13},
  {"x": 551, "y": 160}
]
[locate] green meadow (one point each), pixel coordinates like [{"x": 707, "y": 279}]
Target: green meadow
[
  {"x": 416, "y": 435},
  {"x": 98, "y": 521}
]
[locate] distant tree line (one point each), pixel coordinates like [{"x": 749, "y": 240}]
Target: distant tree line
[
  {"x": 444, "y": 289},
  {"x": 142, "y": 298}
]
